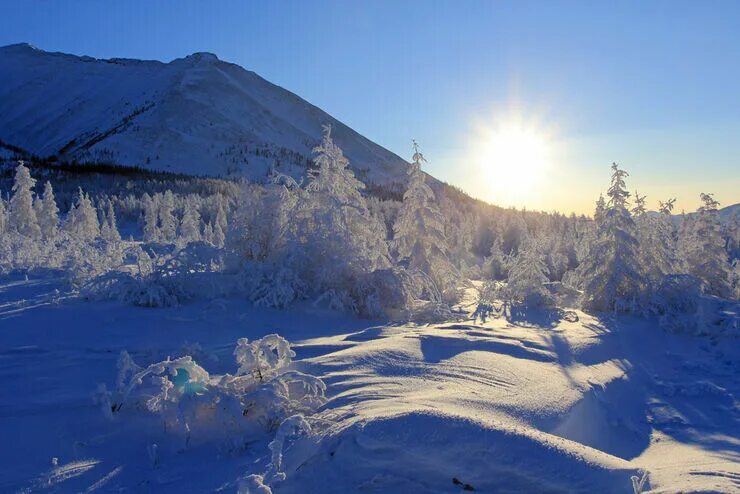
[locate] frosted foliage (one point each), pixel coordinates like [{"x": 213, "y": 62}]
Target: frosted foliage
[
  {"x": 232, "y": 408},
  {"x": 418, "y": 233},
  {"x": 528, "y": 276},
  {"x": 22, "y": 215},
  {"x": 49, "y": 215},
  {"x": 334, "y": 219},
  {"x": 263, "y": 357},
  {"x": 167, "y": 221},
  {"x": 82, "y": 219},
  {"x": 613, "y": 279},
  {"x": 190, "y": 224},
  {"x": 703, "y": 249}
]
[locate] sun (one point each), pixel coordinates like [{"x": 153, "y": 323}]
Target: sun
[{"x": 512, "y": 159}]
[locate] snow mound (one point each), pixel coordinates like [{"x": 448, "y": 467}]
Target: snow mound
[{"x": 434, "y": 453}]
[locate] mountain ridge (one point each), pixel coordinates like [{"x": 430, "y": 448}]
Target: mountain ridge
[{"x": 196, "y": 115}]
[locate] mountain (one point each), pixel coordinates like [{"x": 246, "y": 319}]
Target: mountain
[{"x": 196, "y": 115}]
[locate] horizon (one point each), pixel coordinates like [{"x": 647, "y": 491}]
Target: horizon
[{"x": 467, "y": 107}]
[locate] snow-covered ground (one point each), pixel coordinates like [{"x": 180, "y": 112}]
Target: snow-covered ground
[{"x": 537, "y": 404}]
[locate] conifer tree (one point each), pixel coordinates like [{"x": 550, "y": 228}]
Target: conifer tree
[
  {"x": 418, "y": 233},
  {"x": 151, "y": 226},
  {"x": 334, "y": 215},
  {"x": 109, "y": 227},
  {"x": 704, "y": 251},
  {"x": 528, "y": 275},
  {"x": 167, "y": 221},
  {"x": 600, "y": 210},
  {"x": 190, "y": 224},
  {"x": 22, "y": 217},
  {"x": 613, "y": 280},
  {"x": 49, "y": 215},
  {"x": 82, "y": 220}
]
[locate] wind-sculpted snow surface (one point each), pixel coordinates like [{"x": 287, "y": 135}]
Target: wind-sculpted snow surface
[{"x": 531, "y": 402}]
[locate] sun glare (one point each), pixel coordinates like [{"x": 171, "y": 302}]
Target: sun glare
[{"x": 512, "y": 159}]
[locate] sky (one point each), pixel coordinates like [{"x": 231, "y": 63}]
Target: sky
[{"x": 519, "y": 103}]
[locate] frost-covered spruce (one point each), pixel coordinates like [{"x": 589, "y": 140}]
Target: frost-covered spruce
[
  {"x": 151, "y": 224},
  {"x": 49, "y": 214},
  {"x": 600, "y": 210},
  {"x": 334, "y": 220},
  {"x": 418, "y": 233},
  {"x": 657, "y": 243},
  {"x": 3, "y": 217},
  {"x": 166, "y": 213},
  {"x": 22, "y": 215},
  {"x": 703, "y": 249},
  {"x": 190, "y": 224},
  {"x": 109, "y": 226},
  {"x": 82, "y": 220},
  {"x": 611, "y": 273},
  {"x": 528, "y": 275}
]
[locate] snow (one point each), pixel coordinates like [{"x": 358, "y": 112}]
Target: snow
[
  {"x": 542, "y": 404},
  {"x": 196, "y": 115}
]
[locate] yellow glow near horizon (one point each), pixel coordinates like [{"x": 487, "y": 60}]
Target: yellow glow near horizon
[{"x": 512, "y": 158}]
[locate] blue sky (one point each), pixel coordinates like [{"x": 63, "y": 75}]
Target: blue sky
[{"x": 652, "y": 85}]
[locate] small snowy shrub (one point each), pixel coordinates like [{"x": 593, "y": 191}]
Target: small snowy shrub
[
  {"x": 130, "y": 289},
  {"x": 676, "y": 301},
  {"x": 273, "y": 284},
  {"x": 240, "y": 407}
]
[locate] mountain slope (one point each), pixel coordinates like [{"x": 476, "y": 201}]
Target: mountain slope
[{"x": 196, "y": 115}]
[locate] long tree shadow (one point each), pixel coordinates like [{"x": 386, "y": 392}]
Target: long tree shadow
[{"x": 656, "y": 393}]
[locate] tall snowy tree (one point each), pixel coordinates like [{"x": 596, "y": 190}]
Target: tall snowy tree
[
  {"x": 151, "y": 224},
  {"x": 49, "y": 214},
  {"x": 3, "y": 217},
  {"x": 190, "y": 224},
  {"x": 334, "y": 215},
  {"x": 22, "y": 217},
  {"x": 167, "y": 220},
  {"x": 528, "y": 275},
  {"x": 612, "y": 276},
  {"x": 109, "y": 225},
  {"x": 704, "y": 251},
  {"x": 418, "y": 233},
  {"x": 600, "y": 210},
  {"x": 82, "y": 220},
  {"x": 657, "y": 243}
]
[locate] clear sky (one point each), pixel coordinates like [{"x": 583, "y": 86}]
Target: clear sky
[{"x": 518, "y": 103}]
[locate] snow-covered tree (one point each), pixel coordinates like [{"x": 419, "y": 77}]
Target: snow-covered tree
[
  {"x": 528, "y": 275},
  {"x": 167, "y": 220},
  {"x": 261, "y": 223},
  {"x": 219, "y": 237},
  {"x": 109, "y": 225},
  {"x": 657, "y": 243},
  {"x": 703, "y": 249},
  {"x": 418, "y": 233},
  {"x": 600, "y": 210},
  {"x": 82, "y": 220},
  {"x": 611, "y": 273},
  {"x": 334, "y": 218},
  {"x": 208, "y": 233},
  {"x": 22, "y": 217},
  {"x": 49, "y": 214},
  {"x": 151, "y": 225},
  {"x": 3, "y": 217},
  {"x": 190, "y": 224}
]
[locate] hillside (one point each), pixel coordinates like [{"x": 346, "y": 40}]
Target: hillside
[{"x": 196, "y": 115}]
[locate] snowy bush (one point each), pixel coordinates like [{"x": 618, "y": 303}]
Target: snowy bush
[
  {"x": 676, "y": 302},
  {"x": 130, "y": 289},
  {"x": 257, "y": 399}
]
